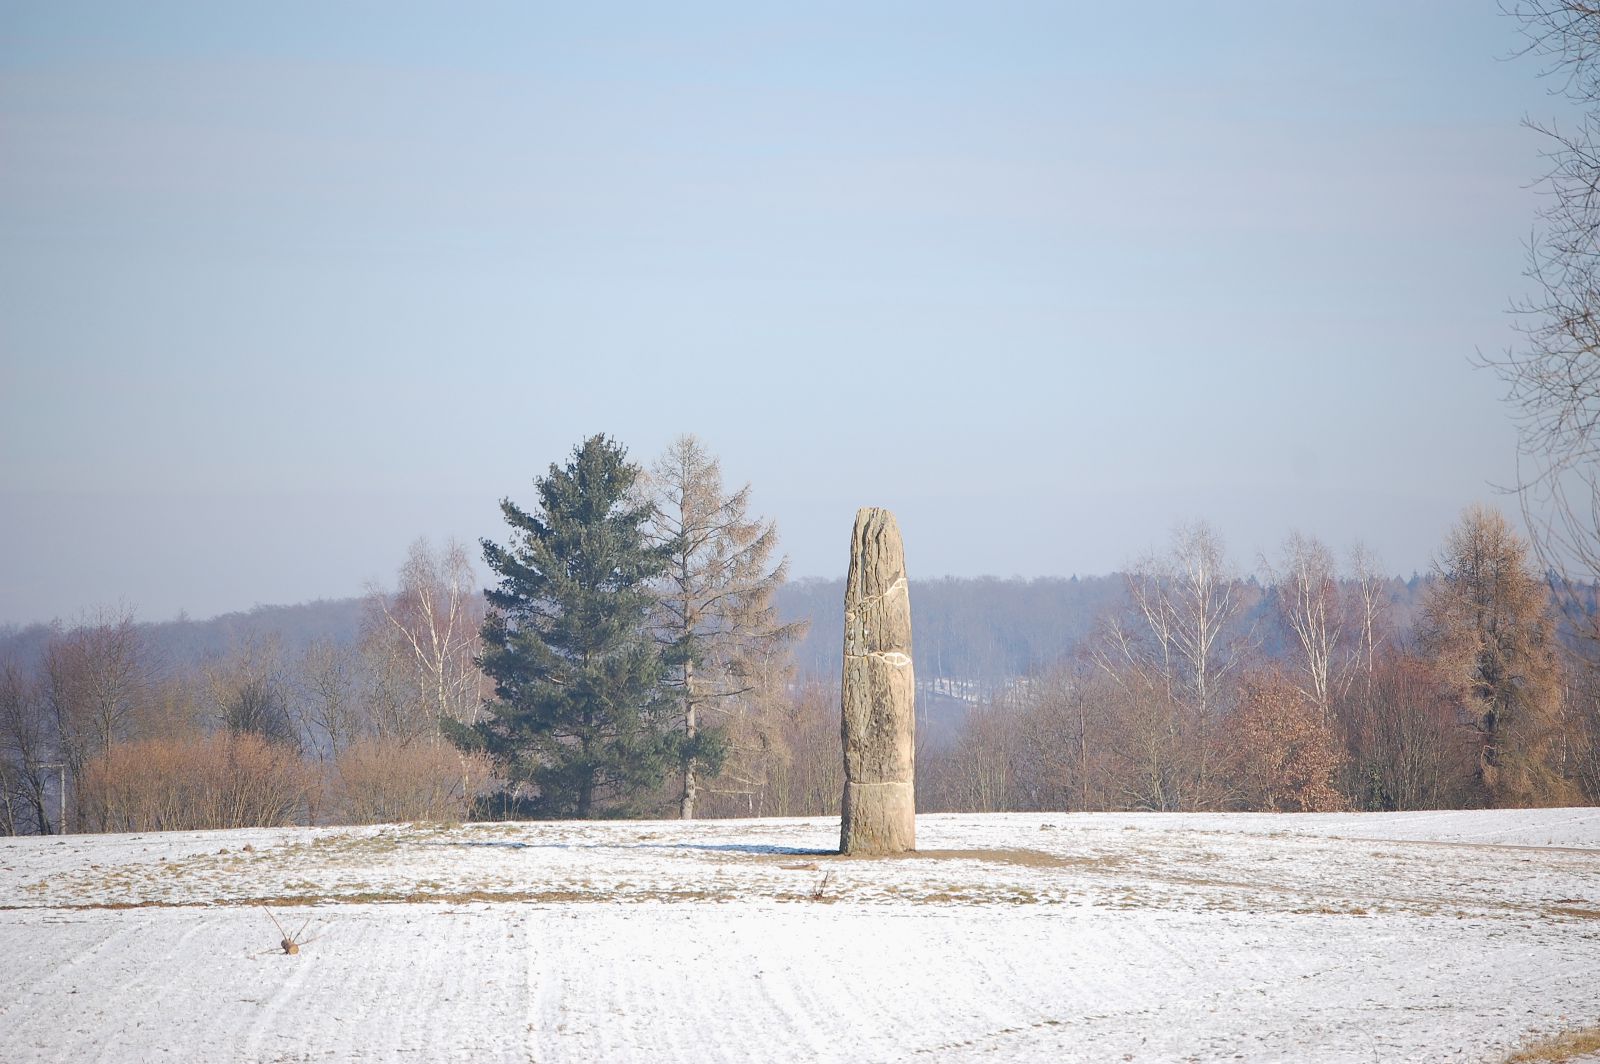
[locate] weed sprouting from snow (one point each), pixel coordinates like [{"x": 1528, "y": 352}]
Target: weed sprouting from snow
[{"x": 289, "y": 944}]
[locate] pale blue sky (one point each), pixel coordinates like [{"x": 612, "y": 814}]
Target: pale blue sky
[{"x": 283, "y": 287}]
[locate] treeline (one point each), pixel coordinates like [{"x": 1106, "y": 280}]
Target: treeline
[
  {"x": 101, "y": 731},
  {"x": 186, "y": 642},
  {"x": 1316, "y": 699},
  {"x": 977, "y": 636},
  {"x": 641, "y": 654},
  {"x": 630, "y": 661}
]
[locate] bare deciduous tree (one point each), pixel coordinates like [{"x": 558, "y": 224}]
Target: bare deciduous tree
[
  {"x": 810, "y": 776},
  {"x": 394, "y": 700},
  {"x": 248, "y": 695},
  {"x": 329, "y": 691},
  {"x": 96, "y": 679},
  {"x": 1406, "y": 745},
  {"x": 982, "y": 772},
  {"x": 1307, "y": 585},
  {"x": 1553, "y": 374},
  {"x": 726, "y": 648},
  {"x": 1171, "y": 660},
  {"x": 434, "y": 616},
  {"x": 1580, "y": 751},
  {"x": 28, "y": 754},
  {"x": 1366, "y": 610},
  {"x": 1060, "y": 754}
]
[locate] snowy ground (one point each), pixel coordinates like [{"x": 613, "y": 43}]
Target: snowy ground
[{"x": 1412, "y": 937}]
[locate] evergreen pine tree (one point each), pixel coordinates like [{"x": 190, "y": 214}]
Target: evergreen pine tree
[{"x": 581, "y": 716}]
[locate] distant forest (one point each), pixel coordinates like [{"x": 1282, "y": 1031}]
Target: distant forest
[{"x": 978, "y": 634}]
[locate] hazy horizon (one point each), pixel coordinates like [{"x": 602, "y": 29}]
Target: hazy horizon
[
  {"x": 281, "y": 293},
  {"x": 98, "y": 612}
]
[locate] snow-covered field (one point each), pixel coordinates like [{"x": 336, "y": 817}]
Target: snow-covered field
[{"x": 1052, "y": 937}]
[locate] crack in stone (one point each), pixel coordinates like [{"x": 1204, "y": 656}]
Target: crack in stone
[
  {"x": 893, "y": 657},
  {"x": 898, "y": 585}
]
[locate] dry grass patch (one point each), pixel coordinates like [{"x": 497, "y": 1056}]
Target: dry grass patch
[
  {"x": 1569, "y": 1045},
  {"x": 1330, "y": 910},
  {"x": 1575, "y": 913},
  {"x": 1024, "y": 858},
  {"x": 1020, "y": 857},
  {"x": 397, "y": 897}
]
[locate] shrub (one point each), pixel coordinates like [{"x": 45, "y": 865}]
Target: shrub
[
  {"x": 386, "y": 780},
  {"x": 1283, "y": 754},
  {"x": 192, "y": 782}
]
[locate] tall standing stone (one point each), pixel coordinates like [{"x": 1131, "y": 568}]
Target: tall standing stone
[{"x": 879, "y": 693}]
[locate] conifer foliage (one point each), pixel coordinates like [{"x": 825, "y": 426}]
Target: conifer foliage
[
  {"x": 580, "y": 722},
  {"x": 1487, "y": 624}
]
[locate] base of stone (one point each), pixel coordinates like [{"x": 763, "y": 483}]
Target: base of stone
[{"x": 878, "y": 818}]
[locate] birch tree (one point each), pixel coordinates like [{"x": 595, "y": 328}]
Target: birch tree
[
  {"x": 432, "y": 618},
  {"x": 1368, "y": 611},
  {"x": 1171, "y": 656},
  {"x": 1308, "y": 601}
]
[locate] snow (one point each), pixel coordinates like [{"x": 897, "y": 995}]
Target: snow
[{"x": 1051, "y": 937}]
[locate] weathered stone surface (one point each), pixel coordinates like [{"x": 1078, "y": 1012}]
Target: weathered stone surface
[{"x": 879, "y": 693}]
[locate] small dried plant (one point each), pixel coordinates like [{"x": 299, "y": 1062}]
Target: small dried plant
[{"x": 289, "y": 943}]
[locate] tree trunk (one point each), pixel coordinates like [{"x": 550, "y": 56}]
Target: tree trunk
[
  {"x": 690, "y": 730},
  {"x": 1083, "y": 754},
  {"x": 586, "y": 788}
]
